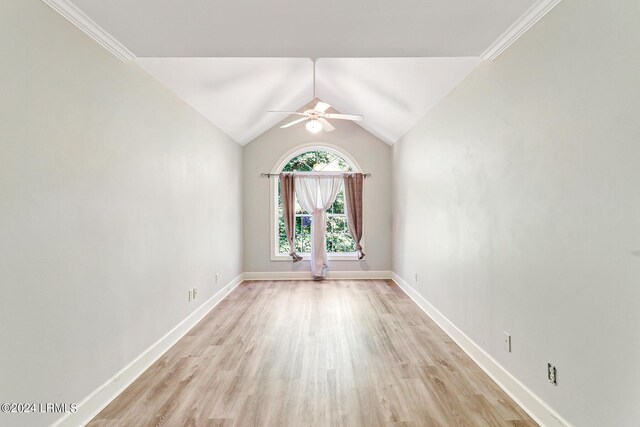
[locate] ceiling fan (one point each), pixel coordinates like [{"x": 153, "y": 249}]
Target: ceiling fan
[{"x": 316, "y": 118}]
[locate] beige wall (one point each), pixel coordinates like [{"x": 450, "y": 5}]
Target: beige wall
[
  {"x": 517, "y": 203},
  {"x": 112, "y": 192},
  {"x": 373, "y": 155}
]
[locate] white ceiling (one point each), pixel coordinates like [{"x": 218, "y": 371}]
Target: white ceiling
[
  {"x": 234, "y": 60},
  {"x": 235, "y": 93},
  {"x": 287, "y": 28}
]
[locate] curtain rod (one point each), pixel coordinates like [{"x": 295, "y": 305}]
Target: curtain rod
[{"x": 269, "y": 175}]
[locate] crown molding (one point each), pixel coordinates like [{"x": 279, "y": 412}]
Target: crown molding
[
  {"x": 513, "y": 33},
  {"x": 78, "y": 18},
  {"x": 89, "y": 27}
]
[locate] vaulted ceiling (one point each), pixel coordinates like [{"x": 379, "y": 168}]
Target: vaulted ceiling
[
  {"x": 235, "y": 93},
  {"x": 234, "y": 60}
]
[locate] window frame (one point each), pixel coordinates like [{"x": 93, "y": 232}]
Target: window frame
[{"x": 273, "y": 201}]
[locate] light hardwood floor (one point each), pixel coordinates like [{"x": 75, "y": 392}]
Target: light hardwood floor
[{"x": 304, "y": 353}]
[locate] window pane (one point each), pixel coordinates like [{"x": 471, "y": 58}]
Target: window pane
[
  {"x": 303, "y": 234},
  {"x": 283, "y": 245},
  {"x": 317, "y": 160},
  {"x": 338, "y": 206},
  {"x": 302, "y": 163},
  {"x": 338, "y": 237},
  {"x": 305, "y": 224}
]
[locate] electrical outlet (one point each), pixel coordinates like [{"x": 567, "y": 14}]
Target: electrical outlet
[
  {"x": 217, "y": 277},
  {"x": 415, "y": 277},
  {"x": 190, "y": 295},
  {"x": 507, "y": 342},
  {"x": 195, "y": 292},
  {"x": 552, "y": 374}
]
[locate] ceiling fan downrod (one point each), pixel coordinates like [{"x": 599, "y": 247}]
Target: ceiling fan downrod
[
  {"x": 316, "y": 117},
  {"x": 314, "y": 60}
]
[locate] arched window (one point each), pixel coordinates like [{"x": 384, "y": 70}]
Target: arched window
[{"x": 339, "y": 241}]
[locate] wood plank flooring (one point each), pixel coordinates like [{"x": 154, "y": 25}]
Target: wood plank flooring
[{"x": 304, "y": 353}]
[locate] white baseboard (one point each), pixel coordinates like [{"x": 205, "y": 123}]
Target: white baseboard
[
  {"x": 96, "y": 401},
  {"x": 90, "y": 406},
  {"x": 542, "y": 413},
  {"x": 306, "y": 275}
]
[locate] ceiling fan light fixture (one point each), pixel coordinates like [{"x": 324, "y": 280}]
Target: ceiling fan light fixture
[
  {"x": 313, "y": 126},
  {"x": 317, "y": 116}
]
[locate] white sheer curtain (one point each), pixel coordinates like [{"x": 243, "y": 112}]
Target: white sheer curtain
[{"x": 315, "y": 195}]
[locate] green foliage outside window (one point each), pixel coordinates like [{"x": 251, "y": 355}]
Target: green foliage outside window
[{"x": 338, "y": 237}]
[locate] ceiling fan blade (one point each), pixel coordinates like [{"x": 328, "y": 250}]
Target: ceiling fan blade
[
  {"x": 293, "y": 123},
  {"x": 289, "y": 112},
  {"x": 354, "y": 117},
  {"x": 328, "y": 127},
  {"x": 321, "y": 106}
]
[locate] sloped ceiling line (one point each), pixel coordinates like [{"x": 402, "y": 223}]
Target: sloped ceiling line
[
  {"x": 391, "y": 93},
  {"x": 234, "y": 93}
]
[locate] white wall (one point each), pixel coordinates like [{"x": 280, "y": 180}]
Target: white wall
[
  {"x": 373, "y": 155},
  {"x": 517, "y": 202},
  {"x": 112, "y": 196}
]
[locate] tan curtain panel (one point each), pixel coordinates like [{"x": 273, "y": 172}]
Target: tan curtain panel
[
  {"x": 353, "y": 199},
  {"x": 287, "y": 195}
]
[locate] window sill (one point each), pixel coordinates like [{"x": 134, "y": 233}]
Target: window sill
[{"x": 349, "y": 256}]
